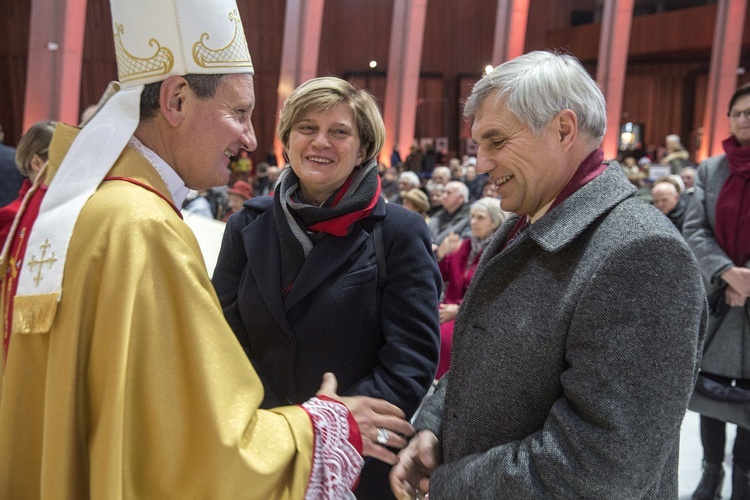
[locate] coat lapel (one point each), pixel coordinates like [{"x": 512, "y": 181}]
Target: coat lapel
[
  {"x": 497, "y": 240},
  {"x": 326, "y": 258},
  {"x": 569, "y": 219},
  {"x": 264, "y": 259},
  {"x": 562, "y": 224}
]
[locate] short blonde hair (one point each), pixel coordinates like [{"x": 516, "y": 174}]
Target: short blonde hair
[
  {"x": 35, "y": 141},
  {"x": 326, "y": 92}
]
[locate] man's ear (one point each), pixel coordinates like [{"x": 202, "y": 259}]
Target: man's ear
[
  {"x": 172, "y": 97},
  {"x": 567, "y": 128}
]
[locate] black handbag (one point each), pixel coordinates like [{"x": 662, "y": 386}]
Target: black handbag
[{"x": 716, "y": 398}]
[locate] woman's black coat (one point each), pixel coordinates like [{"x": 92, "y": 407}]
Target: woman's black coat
[{"x": 333, "y": 319}]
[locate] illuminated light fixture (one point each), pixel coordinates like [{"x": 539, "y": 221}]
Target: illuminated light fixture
[
  {"x": 373, "y": 64},
  {"x": 488, "y": 69},
  {"x": 631, "y": 136}
]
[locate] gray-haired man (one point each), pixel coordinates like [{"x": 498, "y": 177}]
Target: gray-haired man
[{"x": 567, "y": 379}]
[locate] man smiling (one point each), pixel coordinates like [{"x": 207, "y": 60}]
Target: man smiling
[{"x": 567, "y": 380}]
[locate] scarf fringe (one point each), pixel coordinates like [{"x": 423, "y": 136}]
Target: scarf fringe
[{"x": 34, "y": 313}]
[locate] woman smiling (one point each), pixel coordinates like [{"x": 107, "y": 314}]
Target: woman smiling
[{"x": 327, "y": 277}]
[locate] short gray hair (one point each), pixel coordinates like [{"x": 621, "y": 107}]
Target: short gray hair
[
  {"x": 492, "y": 207},
  {"x": 538, "y": 85},
  {"x": 673, "y": 138},
  {"x": 462, "y": 188},
  {"x": 411, "y": 177},
  {"x": 441, "y": 169}
]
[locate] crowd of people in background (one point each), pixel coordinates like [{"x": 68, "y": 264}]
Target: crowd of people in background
[{"x": 664, "y": 177}]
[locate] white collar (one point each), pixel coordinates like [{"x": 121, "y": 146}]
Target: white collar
[{"x": 174, "y": 182}]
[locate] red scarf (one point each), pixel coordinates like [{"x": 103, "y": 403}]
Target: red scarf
[
  {"x": 590, "y": 169},
  {"x": 733, "y": 207},
  {"x": 339, "y": 226}
]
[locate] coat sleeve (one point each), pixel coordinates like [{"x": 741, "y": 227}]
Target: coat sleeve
[
  {"x": 629, "y": 371},
  {"x": 408, "y": 316},
  {"x": 230, "y": 265},
  {"x": 430, "y": 416},
  {"x": 699, "y": 231}
]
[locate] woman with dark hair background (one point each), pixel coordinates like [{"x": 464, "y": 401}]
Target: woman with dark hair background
[{"x": 717, "y": 228}]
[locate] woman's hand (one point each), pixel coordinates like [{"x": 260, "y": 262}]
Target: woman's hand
[
  {"x": 450, "y": 244},
  {"x": 448, "y": 312},
  {"x": 739, "y": 279},
  {"x": 380, "y": 423},
  {"x": 733, "y": 298}
]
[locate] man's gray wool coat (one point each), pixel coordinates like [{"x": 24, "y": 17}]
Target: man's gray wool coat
[{"x": 574, "y": 356}]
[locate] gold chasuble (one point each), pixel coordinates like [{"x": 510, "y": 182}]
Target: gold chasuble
[{"x": 134, "y": 386}]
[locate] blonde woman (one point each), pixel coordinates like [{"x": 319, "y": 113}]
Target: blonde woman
[{"x": 308, "y": 285}]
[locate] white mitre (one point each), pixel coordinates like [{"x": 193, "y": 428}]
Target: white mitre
[{"x": 154, "y": 39}]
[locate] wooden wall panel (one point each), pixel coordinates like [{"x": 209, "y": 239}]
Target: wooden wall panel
[
  {"x": 351, "y": 37},
  {"x": 638, "y": 102},
  {"x": 581, "y": 41},
  {"x": 14, "y": 46},
  {"x": 465, "y": 84},
  {"x": 669, "y": 98},
  {"x": 674, "y": 32},
  {"x": 432, "y": 108},
  {"x": 545, "y": 17},
  {"x": 671, "y": 51},
  {"x": 678, "y": 35},
  {"x": 458, "y": 41},
  {"x": 458, "y": 36},
  {"x": 98, "y": 66},
  {"x": 672, "y": 88},
  {"x": 373, "y": 82},
  {"x": 264, "y": 27},
  {"x": 353, "y": 34}
]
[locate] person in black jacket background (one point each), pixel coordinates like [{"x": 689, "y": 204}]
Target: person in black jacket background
[{"x": 10, "y": 178}]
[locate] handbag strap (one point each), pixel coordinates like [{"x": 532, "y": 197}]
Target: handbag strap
[
  {"x": 377, "y": 231},
  {"x": 718, "y": 309}
]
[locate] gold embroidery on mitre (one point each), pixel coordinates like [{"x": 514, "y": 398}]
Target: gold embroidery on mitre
[
  {"x": 233, "y": 54},
  {"x": 131, "y": 67},
  {"x": 44, "y": 259}
]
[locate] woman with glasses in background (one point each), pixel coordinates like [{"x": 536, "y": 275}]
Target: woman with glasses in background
[{"x": 717, "y": 228}]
